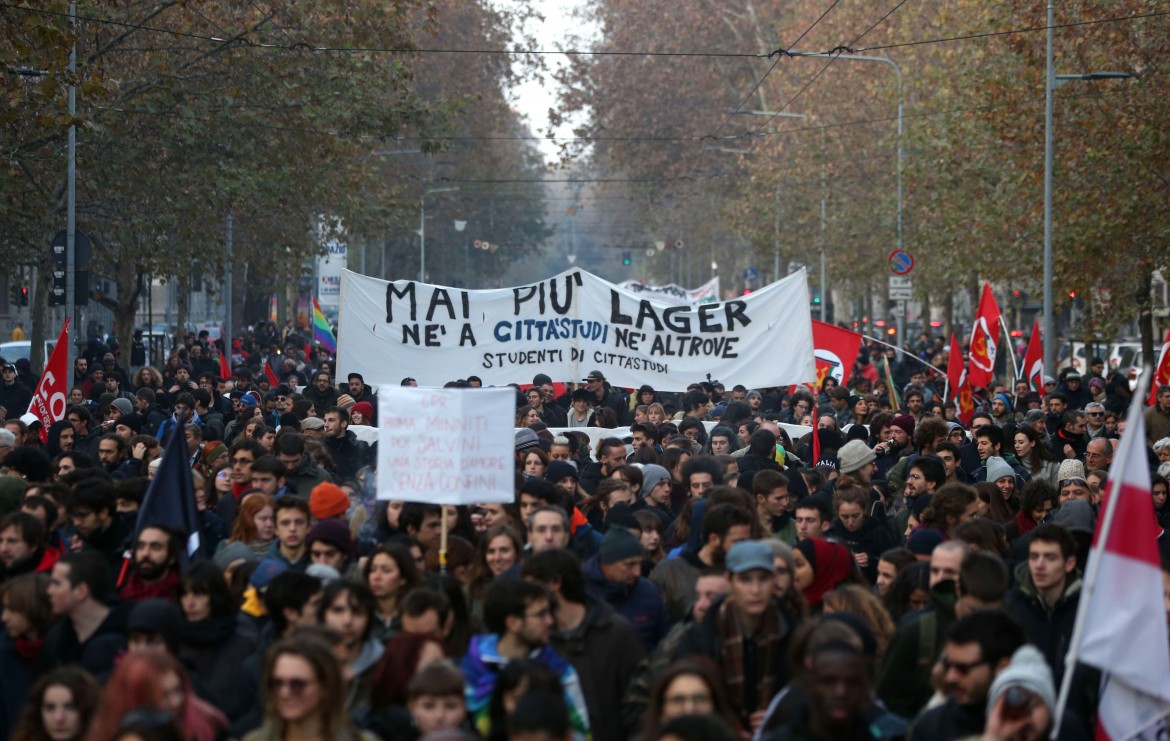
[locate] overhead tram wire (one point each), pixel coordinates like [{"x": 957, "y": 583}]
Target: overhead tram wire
[
  {"x": 304, "y": 46},
  {"x": 878, "y": 22},
  {"x": 676, "y": 139},
  {"x": 756, "y": 87}
]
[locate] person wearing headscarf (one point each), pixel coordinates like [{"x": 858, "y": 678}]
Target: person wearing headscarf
[{"x": 821, "y": 566}]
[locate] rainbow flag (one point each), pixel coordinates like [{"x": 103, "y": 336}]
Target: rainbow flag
[{"x": 322, "y": 334}]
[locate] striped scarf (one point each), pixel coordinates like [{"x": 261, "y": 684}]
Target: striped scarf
[{"x": 731, "y": 635}]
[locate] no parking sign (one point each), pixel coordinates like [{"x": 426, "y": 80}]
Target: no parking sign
[{"x": 901, "y": 262}]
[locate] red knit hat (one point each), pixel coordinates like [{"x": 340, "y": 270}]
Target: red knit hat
[
  {"x": 366, "y": 409},
  {"x": 327, "y": 500}
]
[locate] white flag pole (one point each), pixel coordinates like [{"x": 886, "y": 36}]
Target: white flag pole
[{"x": 1134, "y": 435}]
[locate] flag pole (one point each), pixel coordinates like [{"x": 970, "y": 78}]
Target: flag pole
[
  {"x": 907, "y": 354},
  {"x": 443, "y": 540},
  {"x": 1128, "y": 440},
  {"x": 1007, "y": 336}
]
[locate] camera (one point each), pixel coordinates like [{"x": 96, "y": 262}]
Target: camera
[{"x": 1017, "y": 702}]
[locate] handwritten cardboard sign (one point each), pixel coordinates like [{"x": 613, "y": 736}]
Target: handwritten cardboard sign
[{"x": 446, "y": 446}]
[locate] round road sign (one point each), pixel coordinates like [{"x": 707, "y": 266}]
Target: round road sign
[{"x": 901, "y": 262}]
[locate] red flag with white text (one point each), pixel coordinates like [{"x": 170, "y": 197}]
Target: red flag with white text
[
  {"x": 1121, "y": 628},
  {"x": 1034, "y": 361},
  {"x": 836, "y": 351},
  {"x": 1161, "y": 371},
  {"x": 51, "y": 396},
  {"x": 984, "y": 341}
]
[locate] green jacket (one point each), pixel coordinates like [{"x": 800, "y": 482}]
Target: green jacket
[{"x": 904, "y": 685}]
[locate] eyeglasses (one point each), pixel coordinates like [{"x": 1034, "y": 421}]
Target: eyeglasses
[
  {"x": 960, "y": 668},
  {"x": 1072, "y": 482},
  {"x": 296, "y": 686},
  {"x": 1095, "y": 414}
]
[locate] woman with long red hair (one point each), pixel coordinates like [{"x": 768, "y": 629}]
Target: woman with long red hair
[
  {"x": 154, "y": 680},
  {"x": 255, "y": 524}
]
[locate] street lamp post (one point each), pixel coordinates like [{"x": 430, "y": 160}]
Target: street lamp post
[
  {"x": 901, "y": 152},
  {"x": 71, "y": 200},
  {"x": 901, "y": 108},
  {"x": 422, "y": 231},
  {"x": 1052, "y": 82}
]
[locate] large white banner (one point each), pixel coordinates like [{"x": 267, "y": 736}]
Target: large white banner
[
  {"x": 446, "y": 446},
  {"x": 568, "y": 326},
  {"x": 675, "y": 294}
]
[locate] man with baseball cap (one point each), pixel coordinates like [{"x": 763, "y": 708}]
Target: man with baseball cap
[
  {"x": 747, "y": 633},
  {"x": 604, "y": 395}
]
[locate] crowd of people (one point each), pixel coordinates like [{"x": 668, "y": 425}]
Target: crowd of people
[{"x": 774, "y": 564}]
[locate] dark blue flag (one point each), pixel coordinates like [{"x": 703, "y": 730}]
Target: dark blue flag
[{"x": 170, "y": 498}]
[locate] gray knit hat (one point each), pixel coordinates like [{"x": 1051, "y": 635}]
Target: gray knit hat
[
  {"x": 125, "y": 406},
  {"x": 526, "y": 439},
  {"x": 853, "y": 455},
  {"x": 997, "y": 468},
  {"x": 652, "y": 474},
  {"x": 233, "y": 551},
  {"x": 1028, "y": 671}
]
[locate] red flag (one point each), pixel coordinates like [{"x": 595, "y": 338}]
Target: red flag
[
  {"x": 954, "y": 367},
  {"x": 1161, "y": 372},
  {"x": 225, "y": 372},
  {"x": 984, "y": 340},
  {"x": 272, "y": 379},
  {"x": 1034, "y": 361},
  {"x": 835, "y": 350},
  {"x": 51, "y": 397},
  {"x": 960, "y": 387},
  {"x": 1118, "y": 628},
  {"x": 816, "y": 441},
  {"x": 308, "y": 352}
]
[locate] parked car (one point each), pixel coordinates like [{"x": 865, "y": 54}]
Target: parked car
[{"x": 13, "y": 351}]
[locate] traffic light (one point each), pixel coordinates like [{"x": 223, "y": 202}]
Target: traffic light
[
  {"x": 626, "y": 258},
  {"x": 24, "y": 295}
]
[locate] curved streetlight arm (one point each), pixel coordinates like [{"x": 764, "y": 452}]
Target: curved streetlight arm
[{"x": 901, "y": 109}]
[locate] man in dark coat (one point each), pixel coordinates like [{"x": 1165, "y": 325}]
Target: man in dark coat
[
  {"x": 615, "y": 573},
  {"x": 1048, "y": 592},
  {"x": 746, "y": 634},
  {"x": 602, "y": 646},
  {"x": 604, "y": 395},
  {"x": 978, "y": 647}
]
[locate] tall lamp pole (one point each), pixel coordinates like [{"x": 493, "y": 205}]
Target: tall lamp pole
[
  {"x": 422, "y": 231},
  {"x": 901, "y": 152},
  {"x": 71, "y": 202},
  {"x": 901, "y": 109},
  {"x": 1052, "y": 82}
]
